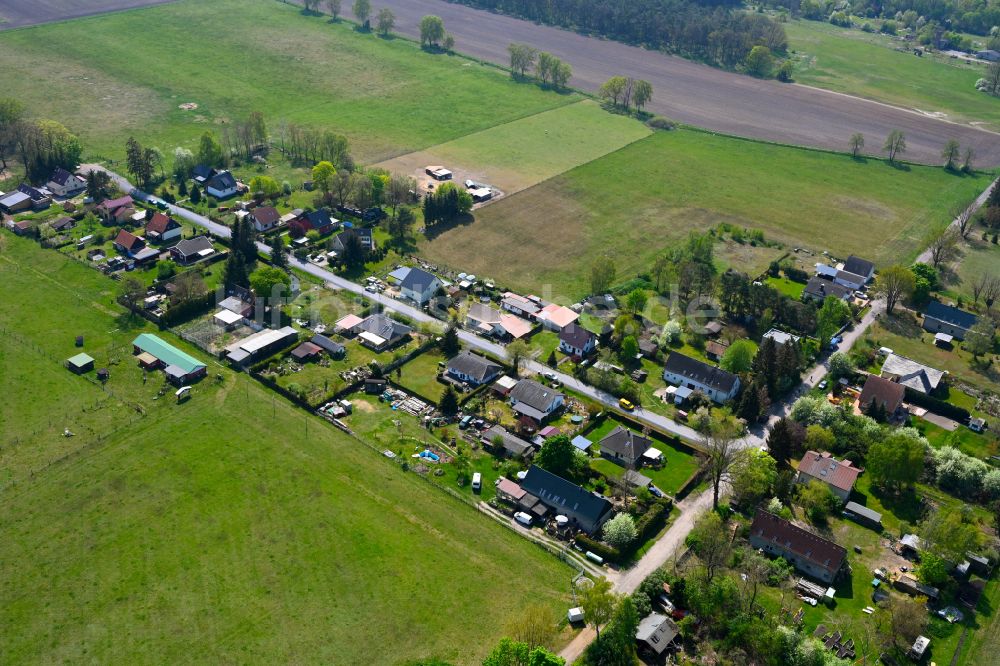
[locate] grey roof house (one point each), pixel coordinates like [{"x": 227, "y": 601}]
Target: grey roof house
[
  {"x": 380, "y": 332},
  {"x": 624, "y": 447},
  {"x": 419, "y": 286},
  {"x": 911, "y": 374},
  {"x": 817, "y": 288},
  {"x": 534, "y": 400},
  {"x": 941, "y": 318},
  {"x": 587, "y": 511},
  {"x": 716, "y": 383},
  {"x": 473, "y": 368}
]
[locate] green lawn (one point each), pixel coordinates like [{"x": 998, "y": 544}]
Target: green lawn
[
  {"x": 635, "y": 202},
  {"x": 522, "y": 153},
  {"x": 420, "y": 375},
  {"x": 980, "y": 257},
  {"x": 787, "y": 287},
  {"x": 867, "y": 65},
  {"x": 679, "y": 462},
  {"x": 974, "y": 444},
  {"x": 233, "y": 526},
  {"x": 123, "y": 74}
]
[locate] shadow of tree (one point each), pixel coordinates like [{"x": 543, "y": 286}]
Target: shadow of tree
[
  {"x": 436, "y": 230},
  {"x": 904, "y": 324}
]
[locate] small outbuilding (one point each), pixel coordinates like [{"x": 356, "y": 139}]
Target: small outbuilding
[
  {"x": 863, "y": 515},
  {"x": 80, "y": 363}
]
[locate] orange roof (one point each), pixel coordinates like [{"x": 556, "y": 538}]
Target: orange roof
[
  {"x": 559, "y": 315},
  {"x": 838, "y": 473}
]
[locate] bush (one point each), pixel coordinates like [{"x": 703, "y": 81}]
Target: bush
[
  {"x": 620, "y": 531},
  {"x": 888, "y": 27},
  {"x": 796, "y": 274},
  {"x": 661, "y": 123}
]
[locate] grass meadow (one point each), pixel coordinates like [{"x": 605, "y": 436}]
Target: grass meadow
[
  {"x": 633, "y": 203},
  {"x": 516, "y": 155},
  {"x": 112, "y": 76},
  {"x": 867, "y": 65},
  {"x": 230, "y": 528}
]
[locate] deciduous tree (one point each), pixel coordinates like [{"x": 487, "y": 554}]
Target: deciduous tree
[
  {"x": 522, "y": 59},
  {"x": 431, "y": 30},
  {"x": 893, "y": 283},
  {"x": 895, "y": 145},
  {"x": 362, "y": 11},
  {"x": 857, "y": 143},
  {"x": 598, "y": 604},
  {"x": 950, "y": 153},
  {"x": 385, "y": 21}
]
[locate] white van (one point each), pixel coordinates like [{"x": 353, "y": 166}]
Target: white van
[
  {"x": 523, "y": 518},
  {"x": 477, "y": 482}
]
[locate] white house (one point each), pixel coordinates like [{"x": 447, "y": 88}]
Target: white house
[
  {"x": 556, "y": 317},
  {"x": 64, "y": 184},
  {"x": 719, "y": 385},
  {"x": 473, "y": 369},
  {"x": 484, "y": 320},
  {"x": 265, "y": 218},
  {"x": 222, "y": 185},
  {"x": 162, "y": 228},
  {"x": 576, "y": 341},
  {"x": 534, "y": 400},
  {"x": 419, "y": 286}
]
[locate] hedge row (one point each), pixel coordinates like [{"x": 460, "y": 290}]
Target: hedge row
[
  {"x": 937, "y": 406},
  {"x": 609, "y": 553}
]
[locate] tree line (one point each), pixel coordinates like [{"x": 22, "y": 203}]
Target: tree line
[
  {"x": 708, "y": 31},
  {"x": 41, "y": 145},
  {"x": 526, "y": 60}
]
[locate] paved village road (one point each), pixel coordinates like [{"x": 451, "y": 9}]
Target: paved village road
[{"x": 705, "y": 96}]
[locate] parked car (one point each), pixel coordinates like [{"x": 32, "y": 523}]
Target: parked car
[
  {"x": 626, "y": 404},
  {"x": 551, "y": 376},
  {"x": 464, "y": 423},
  {"x": 523, "y": 518}
]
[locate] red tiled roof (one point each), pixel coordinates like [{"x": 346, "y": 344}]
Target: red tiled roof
[
  {"x": 838, "y": 473},
  {"x": 126, "y": 239},
  {"x": 160, "y": 223},
  {"x": 803, "y": 543}
]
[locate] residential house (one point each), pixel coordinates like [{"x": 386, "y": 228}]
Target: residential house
[
  {"x": 179, "y": 366},
  {"x": 264, "y": 218},
  {"x": 780, "y": 337},
  {"x": 116, "y": 211},
  {"x": 379, "y": 332},
  {"x": 624, "y": 446},
  {"x": 576, "y": 341},
  {"x": 655, "y": 633},
  {"x": 941, "y": 318},
  {"x": 522, "y": 306},
  {"x": 585, "y": 510},
  {"x": 21, "y": 227},
  {"x": 509, "y": 491},
  {"x": 128, "y": 243},
  {"x": 260, "y": 345},
  {"x": 162, "y": 228},
  {"x": 809, "y": 553},
  {"x": 911, "y": 374},
  {"x": 535, "y": 401},
  {"x": 473, "y": 369},
  {"x": 348, "y": 325},
  {"x": 839, "y": 475},
  {"x": 818, "y": 288},
  {"x": 222, "y": 185},
  {"x": 419, "y": 286},
  {"x": 484, "y": 320},
  {"x": 500, "y": 440},
  {"x": 844, "y": 276},
  {"x": 556, "y": 317},
  {"x": 719, "y": 385},
  {"x": 191, "y": 250},
  {"x": 887, "y": 395},
  {"x": 201, "y": 173},
  {"x": 15, "y": 202},
  {"x": 364, "y": 234},
  {"x": 334, "y": 349},
  {"x": 63, "y": 224},
  {"x": 241, "y": 304},
  {"x": 861, "y": 267},
  {"x": 62, "y": 183},
  {"x": 323, "y": 223},
  {"x": 41, "y": 198}
]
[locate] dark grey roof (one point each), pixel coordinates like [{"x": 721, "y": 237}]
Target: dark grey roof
[
  {"x": 203, "y": 171},
  {"x": 223, "y": 180},
  {"x": 576, "y": 336},
  {"x": 329, "y": 345},
  {"x": 567, "y": 498},
  {"x": 475, "y": 366},
  {"x": 63, "y": 223},
  {"x": 625, "y": 443},
  {"x": 34, "y": 193},
  {"x": 364, "y": 234},
  {"x": 863, "y": 511},
  {"x": 950, "y": 315},
  {"x": 534, "y": 394},
  {"x": 384, "y": 327},
  {"x": 511, "y": 443},
  {"x": 60, "y": 176},
  {"x": 702, "y": 373},
  {"x": 859, "y": 266},
  {"x": 190, "y": 246},
  {"x": 319, "y": 219},
  {"x": 821, "y": 288},
  {"x": 417, "y": 280}
]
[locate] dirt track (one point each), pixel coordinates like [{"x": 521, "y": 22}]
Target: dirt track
[
  {"x": 701, "y": 95},
  {"x": 19, "y": 13}
]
